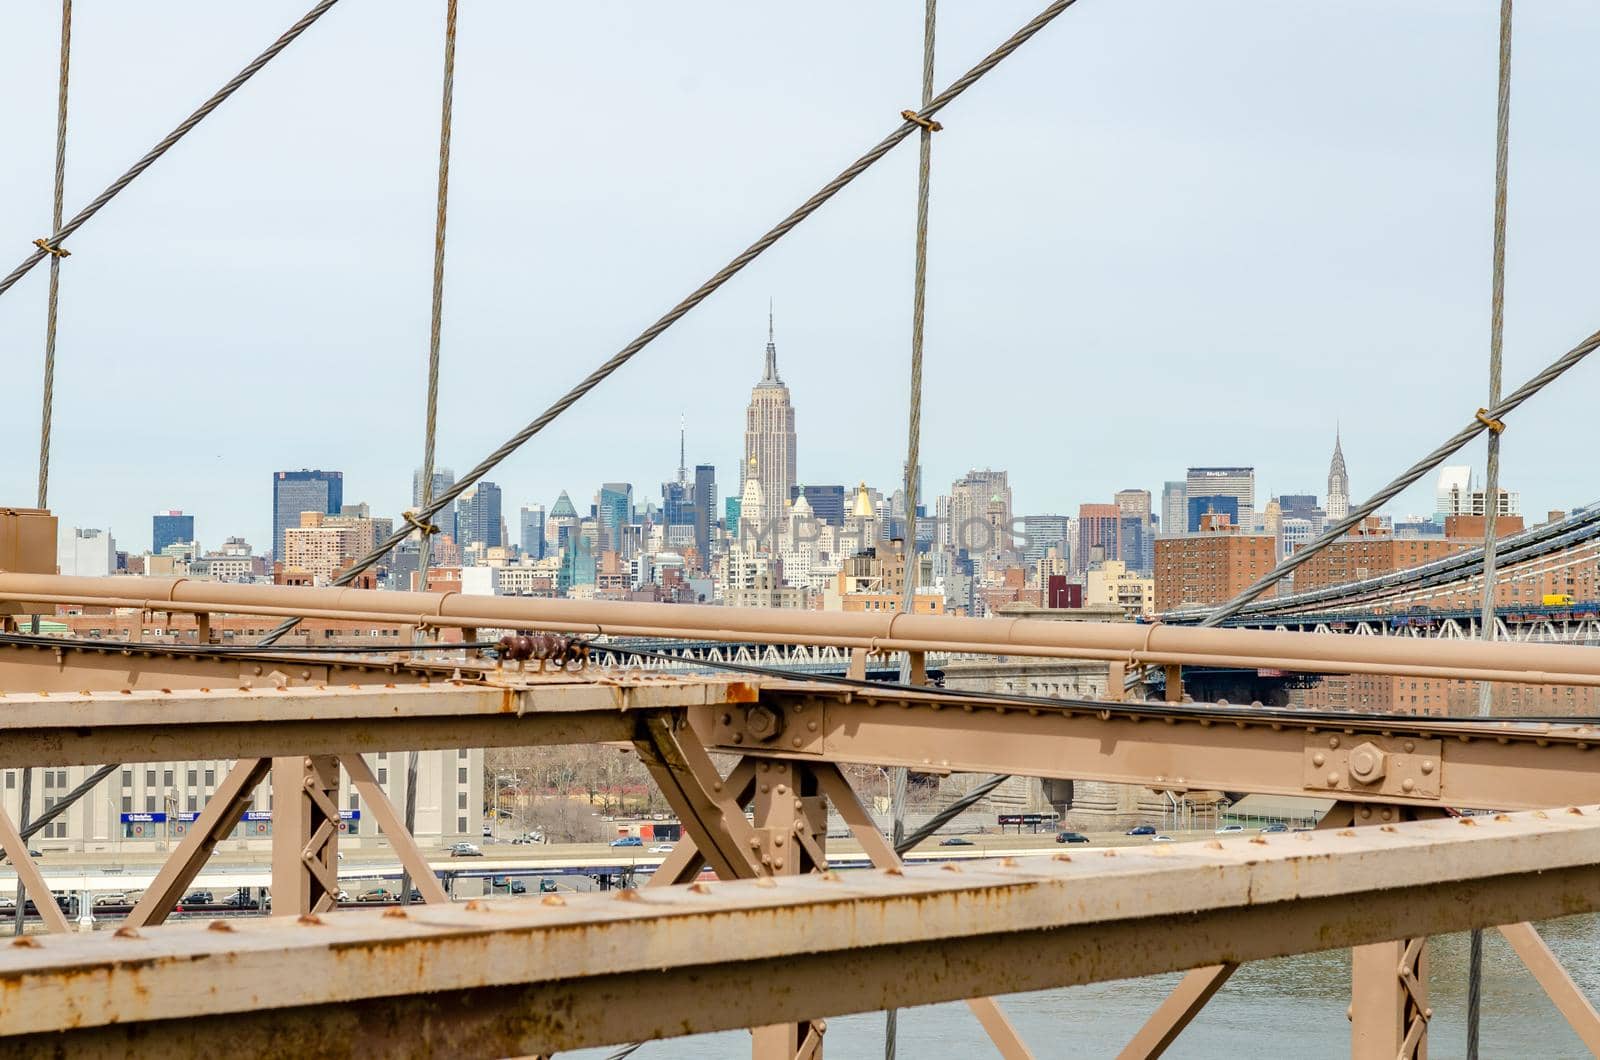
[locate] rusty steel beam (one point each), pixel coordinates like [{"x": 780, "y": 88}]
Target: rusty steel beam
[
  {"x": 231, "y": 722},
  {"x": 1574, "y": 1006},
  {"x": 517, "y": 977},
  {"x": 1380, "y": 761},
  {"x": 1118, "y": 642}
]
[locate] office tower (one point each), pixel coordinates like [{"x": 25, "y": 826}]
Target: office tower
[
  {"x": 1040, "y": 534},
  {"x": 1236, "y": 482},
  {"x": 170, "y": 528},
  {"x": 294, "y": 492},
  {"x": 443, "y": 479},
  {"x": 478, "y": 516},
  {"x": 1174, "y": 507},
  {"x": 1099, "y": 534},
  {"x": 705, "y": 508},
  {"x": 769, "y": 438},
  {"x": 614, "y": 511},
  {"x": 532, "y": 530}
]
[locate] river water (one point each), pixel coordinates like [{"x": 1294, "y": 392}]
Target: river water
[{"x": 1290, "y": 1007}]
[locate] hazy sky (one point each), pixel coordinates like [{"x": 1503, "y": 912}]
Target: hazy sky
[{"x": 1164, "y": 233}]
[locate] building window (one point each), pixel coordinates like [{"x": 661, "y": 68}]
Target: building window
[
  {"x": 461, "y": 825},
  {"x": 149, "y": 804},
  {"x": 11, "y": 779},
  {"x": 211, "y": 777},
  {"x": 149, "y": 778},
  {"x": 191, "y": 776},
  {"x": 166, "y": 778},
  {"x": 193, "y": 804},
  {"x": 127, "y": 804},
  {"x": 383, "y": 775},
  {"x": 461, "y": 753},
  {"x": 461, "y": 775},
  {"x": 461, "y": 800},
  {"x": 127, "y": 778}
]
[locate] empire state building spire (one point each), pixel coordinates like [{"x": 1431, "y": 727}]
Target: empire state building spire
[{"x": 770, "y": 377}]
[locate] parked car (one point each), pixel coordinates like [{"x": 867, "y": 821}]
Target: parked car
[
  {"x": 1230, "y": 829},
  {"x": 378, "y": 894},
  {"x": 465, "y": 850},
  {"x": 488, "y": 830},
  {"x": 197, "y": 898},
  {"x": 547, "y": 886},
  {"x": 512, "y": 884},
  {"x": 239, "y": 900},
  {"x": 956, "y": 841},
  {"x": 627, "y": 841},
  {"x": 32, "y": 853},
  {"x": 110, "y": 898},
  {"x": 1071, "y": 837},
  {"x": 1141, "y": 829},
  {"x": 661, "y": 848},
  {"x": 341, "y": 895},
  {"x": 1276, "y": 826},
  {"x": 1162, "y": 839}
]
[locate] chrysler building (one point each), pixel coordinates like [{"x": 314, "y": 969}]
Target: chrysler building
[
  {"x": 1338, "y": 503},
  {"x": 769, "y": 435}
]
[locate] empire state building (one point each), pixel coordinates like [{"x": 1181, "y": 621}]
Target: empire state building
[{"x": 769, "y": 435}]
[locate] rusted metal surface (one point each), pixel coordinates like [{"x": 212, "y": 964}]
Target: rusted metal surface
[
  {"x": 522, "y": 976},
  {"x": 1389, "y": 1000},
  {"x": 305, "y": 834},
  {"x": 265, "y": 721},
  {"x": 701, "y": 798},
  {"x": 1112, "y": 642},
  {"x": 1489, "y": 766}
]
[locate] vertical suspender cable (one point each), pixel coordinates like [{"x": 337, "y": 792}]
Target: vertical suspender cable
[
  {"x": 433, "y": 372},
  {"x": 47, "y": 400},
  {"x": 1491, "y": 486},
  {"x": 908, "y": 546}
]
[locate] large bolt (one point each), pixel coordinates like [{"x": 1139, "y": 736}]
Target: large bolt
[
  {"x": 763, "y": 723},
  {"x": 1368, "y": 762}
]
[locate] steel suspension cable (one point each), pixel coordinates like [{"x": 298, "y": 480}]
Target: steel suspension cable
[
  {"x": 432, "y": 416},
  {"x": 47, "y": 400},
  {"x": 64, "y": 231},
  {"x": 47, "y": 396},
  {"x": 1491, "y": 486},
  {"x": 704, "y": 291},
  {"x": 911, "y": 561}
]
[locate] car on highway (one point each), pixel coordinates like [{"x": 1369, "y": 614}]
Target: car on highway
[
  {"x": 627, "y": 841},
  {"x": 512, "y": 884},
  {"x": 1230, "y": 829},
  {"x": 661, "y": 848},
  {"x": 1162, "y": 839},
  {"x": 1071, "y": 837},
  {"x": 1141, "y": 829},
  {"x": 239, "y": 900},
  {"x": 465, "y": 850},
  {"x": 1276, "y": 826},
  {"x": 341, "y": 895},
  {"x": 7, "y": 903},
  {"x": 378, "y": 894},
  {"x": 956, "y": 841},
  {"x": 197, "y": 898},
  {"x": 110, "y": 898}
]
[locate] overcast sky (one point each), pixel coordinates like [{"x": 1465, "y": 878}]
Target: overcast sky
[{"x": 1163, "y": 233}]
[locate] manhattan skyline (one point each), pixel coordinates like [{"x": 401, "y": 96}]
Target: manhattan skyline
[{"x": 1275, "y": 270}]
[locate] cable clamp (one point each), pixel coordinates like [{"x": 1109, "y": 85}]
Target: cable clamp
[
  {"x": 1497, "y": 426},
  {"x": 916, "y": 119},
  {"x": 418, "y": 525},
  {"x": 54, "y": 251}
]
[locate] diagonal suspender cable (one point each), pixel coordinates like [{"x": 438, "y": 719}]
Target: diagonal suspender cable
[
  {"x": 1491, "y": 486},
  {"x": 48, "y": 399},
  {"x": 166, "y": 143},
  {"x": 432, "y": 417},
  {"x": 701, "y": 293},
  {"x": 913, "y": 437}
]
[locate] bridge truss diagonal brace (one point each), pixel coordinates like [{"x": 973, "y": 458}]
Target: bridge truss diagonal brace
[
  {"x": 1177, "y": 1012},
  {"x": 305, "y": 834},
  {"x": 1570, "y": 1001},
  {"x": 222, "y": 812},
  {"x": 686, "y": 861},
  {"x": 404, "y": 844},
  {"x": 832, "y": 782},
  {"x": 31, "y": 880},
  {"x": 678, "y": 762}
]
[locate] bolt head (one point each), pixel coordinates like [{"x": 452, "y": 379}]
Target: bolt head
[{"x": 1319, "y": 759}]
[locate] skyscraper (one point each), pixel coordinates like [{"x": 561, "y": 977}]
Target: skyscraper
[
  {"x": 562, "y": 525},
  {"x": 677, "y": 497},
  {"x": 1099, "y": 534},
  {"x": 705, "y": 508},
  {"x": 614, "y": 510},
  {"x": 443, "y": 479},
  {"x": 1174, "y": 507},
  {"x": 1236, "y": 482},
  {"x": 532, "y": 530},
  {"x": 478, "y": 516},
  {"x": 294, "y": 492},
  {"x": 1338, "y": 505},
  {"x": 170, "y": 528},
  {"x": 769, "y": 438}
]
